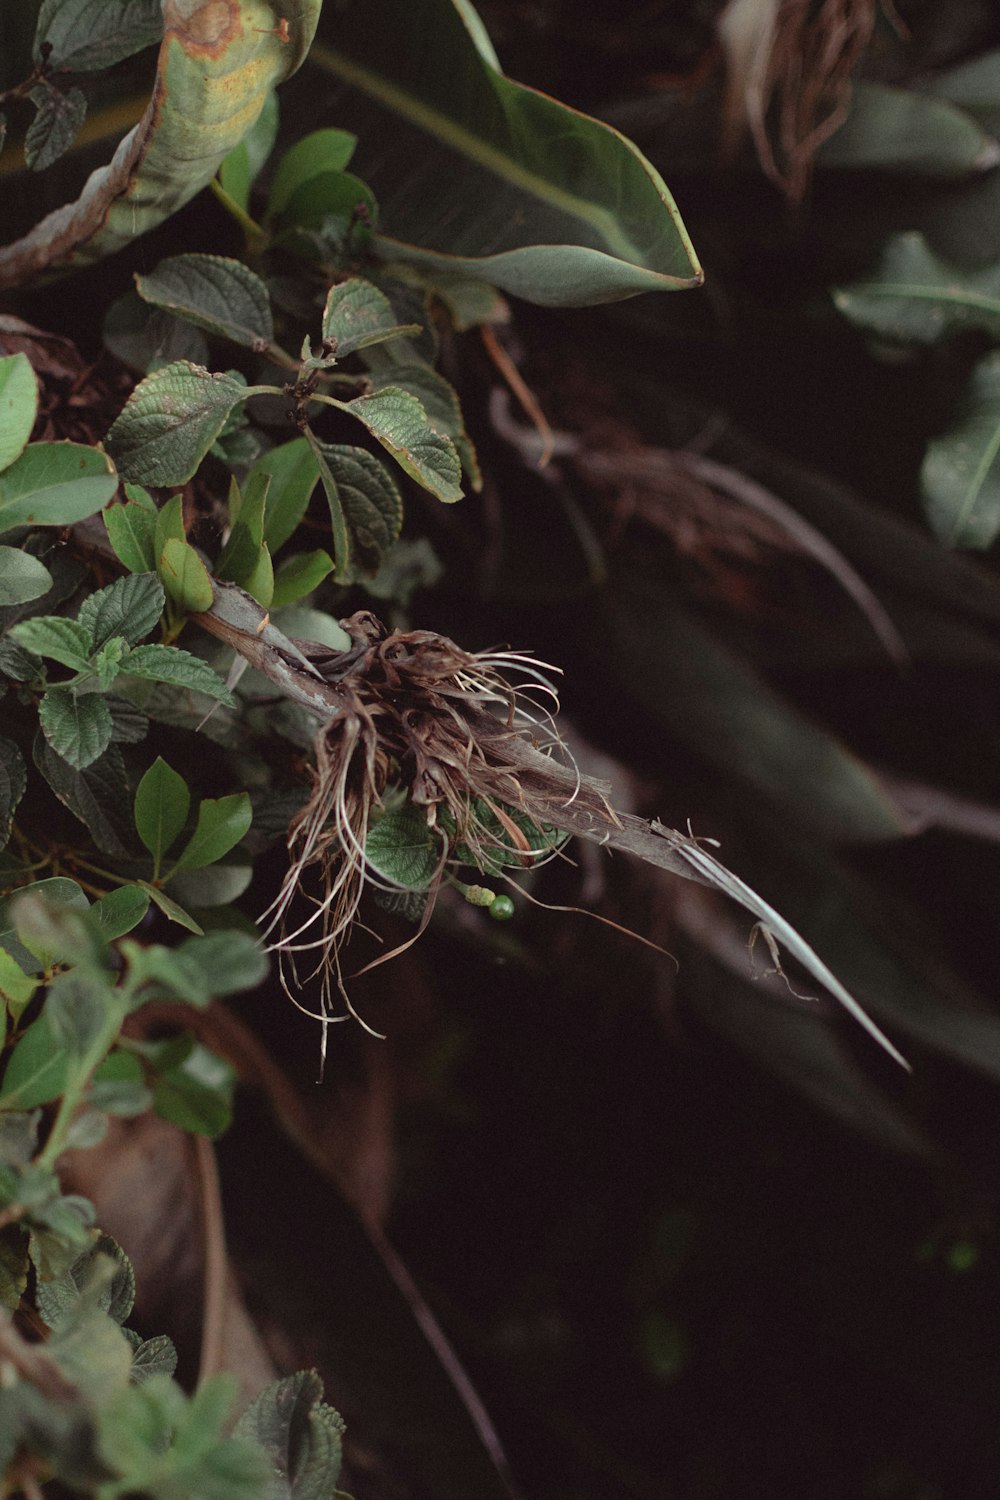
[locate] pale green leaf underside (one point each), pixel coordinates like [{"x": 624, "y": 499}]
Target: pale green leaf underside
[
  {"x": 55, "y": 484},
  {"x": 477, "y": 174},
  {"x": 22, "y": 577},
  {"x": 18, "y": 406}
]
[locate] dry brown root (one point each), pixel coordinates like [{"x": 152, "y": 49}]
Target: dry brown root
[
  {"x": 418, "y": 713},
  {"x": 790, "y": 65}
]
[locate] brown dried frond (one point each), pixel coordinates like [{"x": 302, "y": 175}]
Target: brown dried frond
[
  {"x": 417, "y": 712},
  {"x": 790, "y": 65}
]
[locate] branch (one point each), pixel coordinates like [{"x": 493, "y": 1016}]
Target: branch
[{"x": 310, "y": 674}]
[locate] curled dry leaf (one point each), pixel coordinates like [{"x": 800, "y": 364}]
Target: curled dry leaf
[{"x": 143, "y": 1181}]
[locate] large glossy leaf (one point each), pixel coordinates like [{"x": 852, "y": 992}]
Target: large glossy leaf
[
  {"x": 961, "y": 471},
  {"x": 911, "y": 295},
  {"x": 897, "y": 130},
  {"x": 216, "y": 66},
  {"x": 476, "y": 174},
  {"x": 975, "y": 86}
]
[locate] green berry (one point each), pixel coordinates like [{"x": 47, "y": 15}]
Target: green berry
[{"x": 502, "y": 909}]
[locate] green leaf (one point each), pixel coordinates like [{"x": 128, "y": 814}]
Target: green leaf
[
  {"x": 146, "y": 339},
  {"x": 960, "y": 477},
  {"x": 171, "y": 664},
  {"x": 323, "y": 151},
  {"x": 222, "y": 296},
  {"x": 77, "y": 1002},
  {"x": 229, "y": 961},
  {"x": 184, "y": 576},
  {"x": 891, "y": 129},
  {"x": 102, "y": 1276},
  {"x": 338, "y": 207},
  {"x": 400, "y": 424},
  {"x": 439, "y": 400},
  {"x": 107, "y": 664},
  {"x": 313, "y": 625},
  {"x": 169, "y": 423},
  {"x": 52, "y": 922},
  {"x": 196, "y": 1092},
  {"x": 338, "y": 520},
  {"x": 162, "y": 802},
  {"x": 469, "y": 303},
  {"x": 77, "y": 725},
  {"x": 90, "y": 35},
  {"x": 65, "y": 641},
  {"x": 301, "y": 1434},
  {"x": 173, "y": 911},
  {"x": 118, "y": 1086},
  {"x": 402, "y": 849},
  {"x": 18, "y": 406},
  {"x": 58, "y": 118},
  {"x": 135, "y": 1441},
  {"x": 156, "y": 1356},
  {"x": 169, "y": 523},
  {"x": 159, "y": 973},
  {"x": 496, "y": 847},
  {"x": 60, "y": 1229},
  {"x": 131, "y": 529},
  {"x": 222, "y": 822},
  {"x": 241, "y": 167},
  {"x": 293, "y": 474},
  {"x": 491, "y": 179},
  {"x": 22, "y": 577},
  {"x": 299, "y": 575},
  {"x": 59, "y": 890},
  {"x": 98, "y": 795},
  {"x": 55, "y": 484},
  {"x": 13, "y": 780},
  {"x": 16, "y": 986},
  {"x": 245, "y": 558},
  {"x": 912, "y": 296},
  {"x": 120, "y": 911},
  {"x": 130, "y": 725},
  {"x": 358, "y": 314},
  {"x": 38, "y": 1069},
  {"x": 129, "y": 607},
  {"x": 216, "y": 885},
  {"x": 366, "y": 508},
  {"x": 973, "y": 86}
]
